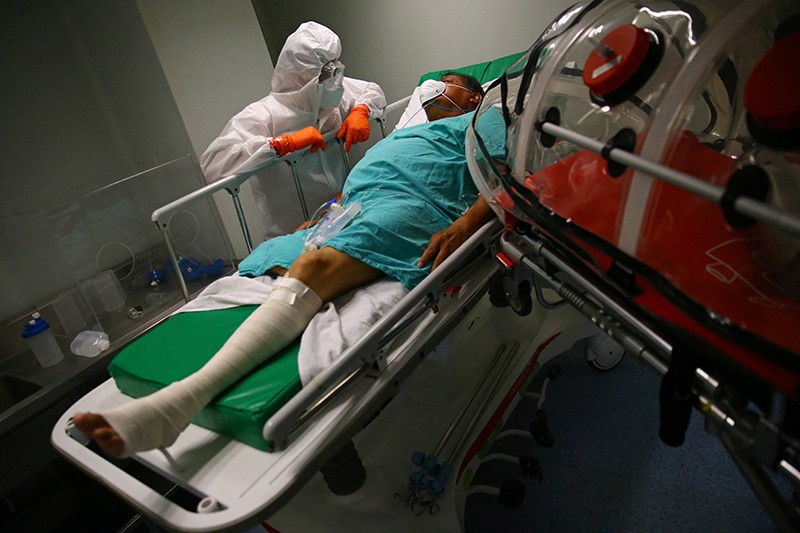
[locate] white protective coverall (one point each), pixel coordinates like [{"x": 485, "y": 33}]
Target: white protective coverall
[{"x": 292, "y": 105}]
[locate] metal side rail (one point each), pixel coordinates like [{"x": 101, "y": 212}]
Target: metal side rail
[
  {"x": 246, "y": 484},
  {"x": 741, "y": 204},
  {"x": 754, "y": 440},
  {"x": 368, "y": 351},
  {"x": 232, "y": 184}
]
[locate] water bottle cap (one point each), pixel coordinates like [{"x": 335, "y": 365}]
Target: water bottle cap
[{"x": 35, "y": 326}]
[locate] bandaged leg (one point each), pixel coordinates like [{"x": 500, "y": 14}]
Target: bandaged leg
[{"x": 156, "y": 420}]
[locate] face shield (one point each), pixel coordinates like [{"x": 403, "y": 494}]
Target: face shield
[
  {"x": 331, "y": 79},
  {"x": 332, "y": 74}
]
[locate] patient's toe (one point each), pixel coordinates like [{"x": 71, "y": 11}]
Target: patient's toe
[
  {"x": 101, "y": 432},
  {"x": 88, "y": 422},
  {"x": 109, "y": 441}
]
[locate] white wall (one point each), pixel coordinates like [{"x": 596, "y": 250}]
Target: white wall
[
  {"x": 214, "y": 58},
  {"x": 216, "y": 62},
  {"x": 393, "y": 42},
  {"x": 85, "y": 104},
  {"x": 94, "y": 92}
]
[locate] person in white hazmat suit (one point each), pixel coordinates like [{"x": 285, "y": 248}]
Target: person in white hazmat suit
[{"x": 310, "y": 96}]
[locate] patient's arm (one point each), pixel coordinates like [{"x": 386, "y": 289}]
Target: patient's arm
[{"x": 446, "y": 241}]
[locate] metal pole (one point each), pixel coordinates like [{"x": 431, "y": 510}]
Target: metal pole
[
  {"x": 300, "y": 195},
  {"x": 237, "y": 204},
  {"x": 744, "y": 205}
]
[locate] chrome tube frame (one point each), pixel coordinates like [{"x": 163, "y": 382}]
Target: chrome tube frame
[
  {"x": 367, "y": 352},
  {"x": 754, "y": 445},
  {"x": 743, "y": 205},
  {"x": 232, "y": 185}
]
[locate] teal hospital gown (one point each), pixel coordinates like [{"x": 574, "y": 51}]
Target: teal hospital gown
[{"x": 410, "y": 185}]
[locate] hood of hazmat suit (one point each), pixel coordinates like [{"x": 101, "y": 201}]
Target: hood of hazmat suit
[{"x": 293, "y": 104}]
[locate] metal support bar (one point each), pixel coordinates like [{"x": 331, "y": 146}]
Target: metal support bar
[
  {"x": 345, "y": 158},
  {"x": 744, "y": 205},
  {"x": 174, "y": 258},
  {"x": 784, "y": 515},
  {"x": 517, "y": 255},
  {"x": 485, "y": 399},
  {"x": 470, "y": 399},
  {"x": 278, "y": 428},
  {"x": 300, "y": 196},
  {"x": 744, "y": 439},
  {"x": 237, "y": 204}
]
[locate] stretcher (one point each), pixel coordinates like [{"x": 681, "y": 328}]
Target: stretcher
[
  {"x": 651, "y": 181},
  {"x": 223, "y": 483}
]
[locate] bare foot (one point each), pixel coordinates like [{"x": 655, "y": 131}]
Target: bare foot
[{"x": 101, "y": 432}]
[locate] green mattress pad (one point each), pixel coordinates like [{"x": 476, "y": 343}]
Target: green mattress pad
[
  {"x": 483, "y": 72},
  {"x": 182, "y": 344}
]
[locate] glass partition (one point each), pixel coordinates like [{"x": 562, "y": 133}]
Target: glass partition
[{"x": 118, "y": 263}]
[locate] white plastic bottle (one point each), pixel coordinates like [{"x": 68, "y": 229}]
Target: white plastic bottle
[{"x": 42, "y": 342}]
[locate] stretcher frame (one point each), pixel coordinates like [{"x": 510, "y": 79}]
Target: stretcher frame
[
  {"x": 759, "y": 439},
  {"x": 257, "y": 483}
]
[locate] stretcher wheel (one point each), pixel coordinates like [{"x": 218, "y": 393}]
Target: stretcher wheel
[
  {"x": 603, "y": 353},
  {"x": 522, "y": 304},
  {"x": 503, "y": 293}
]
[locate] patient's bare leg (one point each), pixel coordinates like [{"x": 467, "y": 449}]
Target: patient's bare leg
[{"x": 157, "y": 420}]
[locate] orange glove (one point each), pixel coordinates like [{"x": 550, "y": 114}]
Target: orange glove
[
  {"x": 291, "y": 142},
  {"x": 355, "y": 126}
]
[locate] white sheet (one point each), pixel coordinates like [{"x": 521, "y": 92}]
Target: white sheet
[
  {"x": 413, "y": 113},
  {"x": 336, "y": 326}
]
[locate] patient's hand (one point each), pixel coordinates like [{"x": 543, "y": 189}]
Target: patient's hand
[
  {"x": 305, "y": 224},
  {"x": 447, "y": 241}
]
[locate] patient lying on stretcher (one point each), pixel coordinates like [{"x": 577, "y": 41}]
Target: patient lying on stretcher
[{"x": 418, "y": 205}]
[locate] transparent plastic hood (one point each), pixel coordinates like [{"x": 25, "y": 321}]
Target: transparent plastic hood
[{"x": 705, "y": 90}]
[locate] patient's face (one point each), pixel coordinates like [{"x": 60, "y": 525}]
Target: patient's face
[{"x": 462, "y": 98}]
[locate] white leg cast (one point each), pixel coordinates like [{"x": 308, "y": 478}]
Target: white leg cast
[{"x": 156, "y": 420}]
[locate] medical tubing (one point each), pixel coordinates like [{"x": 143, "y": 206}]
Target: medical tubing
[
  {"x": 335, "y": 219},
  {"x": 422, "y": 108},
  {"x": 742, "y": 204},
  {"x": 412, "y": 116},
  {"x": 322, "y": 206},
  {"x": 430, "y": 102}
]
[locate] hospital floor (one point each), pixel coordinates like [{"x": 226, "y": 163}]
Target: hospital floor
[{"x": 606, "y": 472}]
